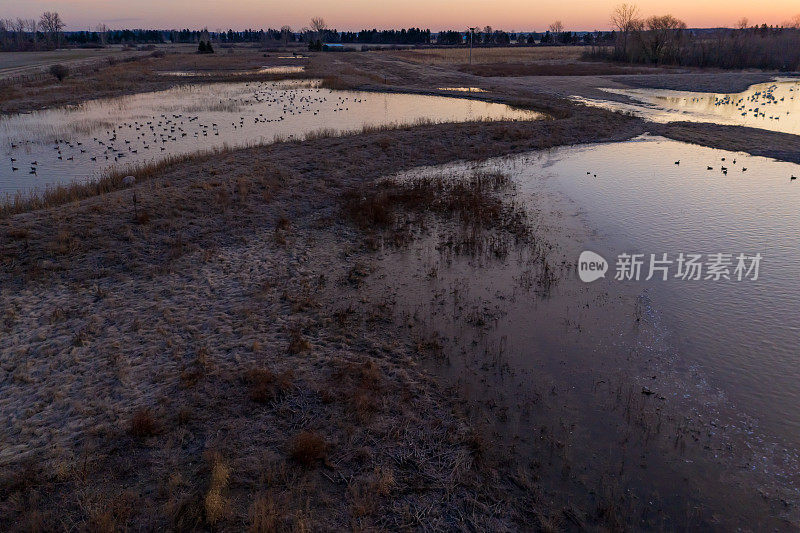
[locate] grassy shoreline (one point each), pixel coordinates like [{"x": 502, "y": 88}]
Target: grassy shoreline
[{"x": 215, "y": 322}]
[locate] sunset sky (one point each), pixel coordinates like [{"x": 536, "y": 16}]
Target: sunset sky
[{"x": 519, "y": 15}]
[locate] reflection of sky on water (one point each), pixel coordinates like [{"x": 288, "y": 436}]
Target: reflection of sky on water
[{"x": 771, "y": 106}]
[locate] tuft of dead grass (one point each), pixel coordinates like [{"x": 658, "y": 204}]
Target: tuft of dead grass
[
  {"x": 143, "y": 424},
  {"x": 307, "y": 448},
  {"x": 469, "y": 198},
  {"x": 297, "y": 343},
  {"x": 264, "y": 514},
  {"x": 18, "y": 234},
  {"x": 267, "y": 386},
  {"x": 475, "y": 202},
  {"x": 215, "y": 503},
  {"x": 360, "y": 385}
]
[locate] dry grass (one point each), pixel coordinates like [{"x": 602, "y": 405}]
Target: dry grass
[
  {"x": 215, "y": 502},
  {"x": 360, "y": 386},
  {"x": 474, "y": 202},
  {"x": 297, "y": 343},
  {"x": 192, "y": 329},
  {"x": 264, "y": 514}
]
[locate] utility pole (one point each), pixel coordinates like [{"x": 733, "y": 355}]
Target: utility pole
[{"x": 471, "y": 32}]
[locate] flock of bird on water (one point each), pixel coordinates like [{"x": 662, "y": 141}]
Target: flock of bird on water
[
  {"x": 159, "y": 132},
  {"x": 754, "y": 105},
  {"x": 723, "y": 168}
]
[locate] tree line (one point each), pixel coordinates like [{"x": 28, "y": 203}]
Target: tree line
[
  {"x": 374, "y": 36},
  {"x": 31, "y": 34},
  {"x": 666, "y": 40}
]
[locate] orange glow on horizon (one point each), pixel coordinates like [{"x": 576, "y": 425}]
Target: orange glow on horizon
[{"x": 516, "y": 15}]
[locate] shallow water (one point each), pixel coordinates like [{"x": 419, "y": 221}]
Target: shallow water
[
  {"x": 719, "y": 357},
  {"x": 740, "y": 333},
  {"x": 76, "y": 143},
  {"x": 743, "y": 333},
  {"x": 771, "y": 106}
]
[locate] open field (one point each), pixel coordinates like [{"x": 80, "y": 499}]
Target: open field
[
  {"x": 138, "y": 72},
  {"x": 460, "y": 55},
  {"x": 209, "y": 348},
  {"x": 25, "y": 64}
]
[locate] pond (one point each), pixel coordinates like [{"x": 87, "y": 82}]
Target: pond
[
  {"x": 54, "y": 146},
  {"x": 771, "y": 106}
]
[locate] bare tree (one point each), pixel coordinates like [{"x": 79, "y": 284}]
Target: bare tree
[
  {"x": 556, "y": 27},
  {"x": 663, "y": 34},
  {"x": 625, "y": 19},
  {"x": 102, "y": 33},
  {"x": 20, "y": 27},
  {"x": 793, "y": 22},
  {"x": 6, "y": 33},
  {"x": 52, "y": 25},
  {"x": 318, "y": 26},
  {"x": 743, "y": 23},
  {"x": 286, "y": 33},
  {"x": 32, "y": 27}
]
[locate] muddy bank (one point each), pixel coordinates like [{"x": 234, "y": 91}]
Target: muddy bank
[
  {"x": 780, "y": 146},
  {"x": 699, "y": 81}
]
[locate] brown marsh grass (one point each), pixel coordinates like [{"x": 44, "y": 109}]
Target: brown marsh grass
[{"x": 473, "y": 200}]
